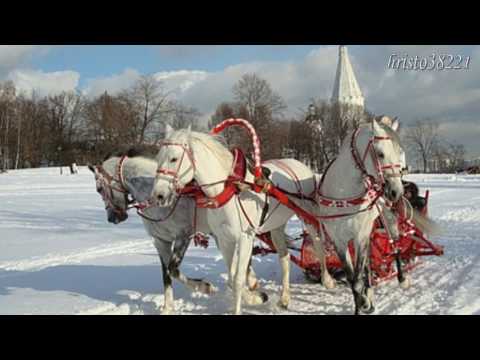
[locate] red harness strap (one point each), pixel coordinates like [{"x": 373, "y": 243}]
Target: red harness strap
[{"x": 238, "y": 173}]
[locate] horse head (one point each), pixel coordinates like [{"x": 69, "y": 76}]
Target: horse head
[
  {"x": 110, "y": 185},
  {"x": 176, "y": 166},
  {"x": 388, "y": 158}
]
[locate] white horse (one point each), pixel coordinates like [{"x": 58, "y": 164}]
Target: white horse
[
  {"x": 120, "y": 177},
  {"x": 368, "y": 165},
  {"x": 131, "y": 175},
  {"x": 187, "y": 155}
]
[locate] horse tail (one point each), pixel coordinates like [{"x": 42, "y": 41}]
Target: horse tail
[{"x": 425, "y": 224}]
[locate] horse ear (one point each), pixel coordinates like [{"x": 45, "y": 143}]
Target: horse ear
[
  {"x": 168, "y": 130},
  {"x": 375, "y": 125},
  {"x": 92, "y": 169},
  {"x": 395, "y": 124},
  {"x": 189, "y": 129}
]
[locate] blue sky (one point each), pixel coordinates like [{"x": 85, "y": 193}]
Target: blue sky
[{"x": 93, "y": 61}]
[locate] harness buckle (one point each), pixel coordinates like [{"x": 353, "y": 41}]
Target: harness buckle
[
  {"x": 241, "y": 186},
  {"x": 264, "y": 184}
]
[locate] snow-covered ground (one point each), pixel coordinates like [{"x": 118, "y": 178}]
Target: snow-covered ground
[{"x": 59, "y": 255}]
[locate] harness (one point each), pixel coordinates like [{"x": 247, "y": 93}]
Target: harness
[
  {"x": 374, "y": 189},
  {"x": 195, "y": 190},
  {"x": 105, "y": 184}
]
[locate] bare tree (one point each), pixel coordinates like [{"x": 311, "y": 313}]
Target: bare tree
[
  {"x": 423, "y": 138},
  {"x": 258, "y": 103},
  {"x": 258, "y": 97},
  {"x": 456, "y": 155},
  {"x": 64, "y": 118},
  {"x": 183, "y": 116},
  {"x": 153, "y": 106},
  {"x": 226, "y": 111},
  {"x": 327, "y": 125}
]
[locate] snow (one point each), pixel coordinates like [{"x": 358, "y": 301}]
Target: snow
[{"x": 59, "y": 255}]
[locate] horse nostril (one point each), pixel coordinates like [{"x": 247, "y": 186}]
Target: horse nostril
[
  {"x": 394, "y": 194},
  {"x": 160, "y": 197}
]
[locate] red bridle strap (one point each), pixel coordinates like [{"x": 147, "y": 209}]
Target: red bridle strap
[
  {"x": 373, "y": 187},
  {"x": 105, "y": 180},
  {"x": 175, "y": 173}
]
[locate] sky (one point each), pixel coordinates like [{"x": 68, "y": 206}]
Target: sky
[{"x": 202, "y": 76}]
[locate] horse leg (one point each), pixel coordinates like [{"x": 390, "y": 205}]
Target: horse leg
[
  {"x": 168, "y": 307},
  {"x": 392, "y": 225},
  {"x": 251, "y": 295},
  {"x": 165, "y": 254},
  {"x": 244, "y": 252},
  {"x": 344, "y": 256},
  {"x": 404, "y": 280},
  {"x": 362, "y": 291},
  {"x": 368, "y": 281},
  {"x": 252, "y": 281},
  {"x": 319, "y": 247},
  {"x": 200, "y": 285},
  {"x": 280, "y": 241}
]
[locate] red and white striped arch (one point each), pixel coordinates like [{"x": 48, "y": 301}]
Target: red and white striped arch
[{"x": 253, "y": 134}]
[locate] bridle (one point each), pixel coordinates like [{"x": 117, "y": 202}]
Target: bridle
[
  {"x": 175, "y": 174},
  {"x": 105, "y": 182},
  {"x": 378, "y": 182}
]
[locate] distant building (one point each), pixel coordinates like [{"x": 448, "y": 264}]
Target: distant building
[{"x": 346, "y": 89}]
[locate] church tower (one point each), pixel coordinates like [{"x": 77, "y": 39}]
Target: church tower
[{"x": 346, "y": 89}]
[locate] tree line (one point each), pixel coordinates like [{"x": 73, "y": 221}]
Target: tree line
[{"x": 69, "y": 127}]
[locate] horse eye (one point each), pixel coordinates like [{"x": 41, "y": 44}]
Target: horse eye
[
  {"x": 173, "y": 160},
  {"x": 381, "y": 155}
]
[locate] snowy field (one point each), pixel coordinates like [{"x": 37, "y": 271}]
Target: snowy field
[{"x": 59, "y": 255}]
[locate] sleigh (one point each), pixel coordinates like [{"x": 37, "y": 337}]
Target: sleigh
[
  {"x": 385, "y": 253},
  {"x": 412, "y": 244}
]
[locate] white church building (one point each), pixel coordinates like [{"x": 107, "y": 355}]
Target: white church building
[{"x": 346, "y": 89}]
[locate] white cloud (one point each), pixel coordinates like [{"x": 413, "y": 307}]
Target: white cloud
[
  {"x": 13, "y": 56},
  {"x": 296, "y": 82},
  {"x": 177, "y": 82},
  {"x": 112, "y": 84},
  {"x": 180, "y": 81},
  {"x": 45, "y": 83}
]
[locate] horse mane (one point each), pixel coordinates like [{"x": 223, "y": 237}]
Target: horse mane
[
  {"x": 393, "y": 135},
  {"x": 215, "y": 143}
]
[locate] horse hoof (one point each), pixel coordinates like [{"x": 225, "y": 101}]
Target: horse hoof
[
  {"x": 370, "y": 309},
  {"x": 406, "y": 283},
  {"x": 254, "y": 298},
  {"x": 282, "y": 304},
  {"x": 367, "y": 306},
  {"x": 329, "y": 283}
]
